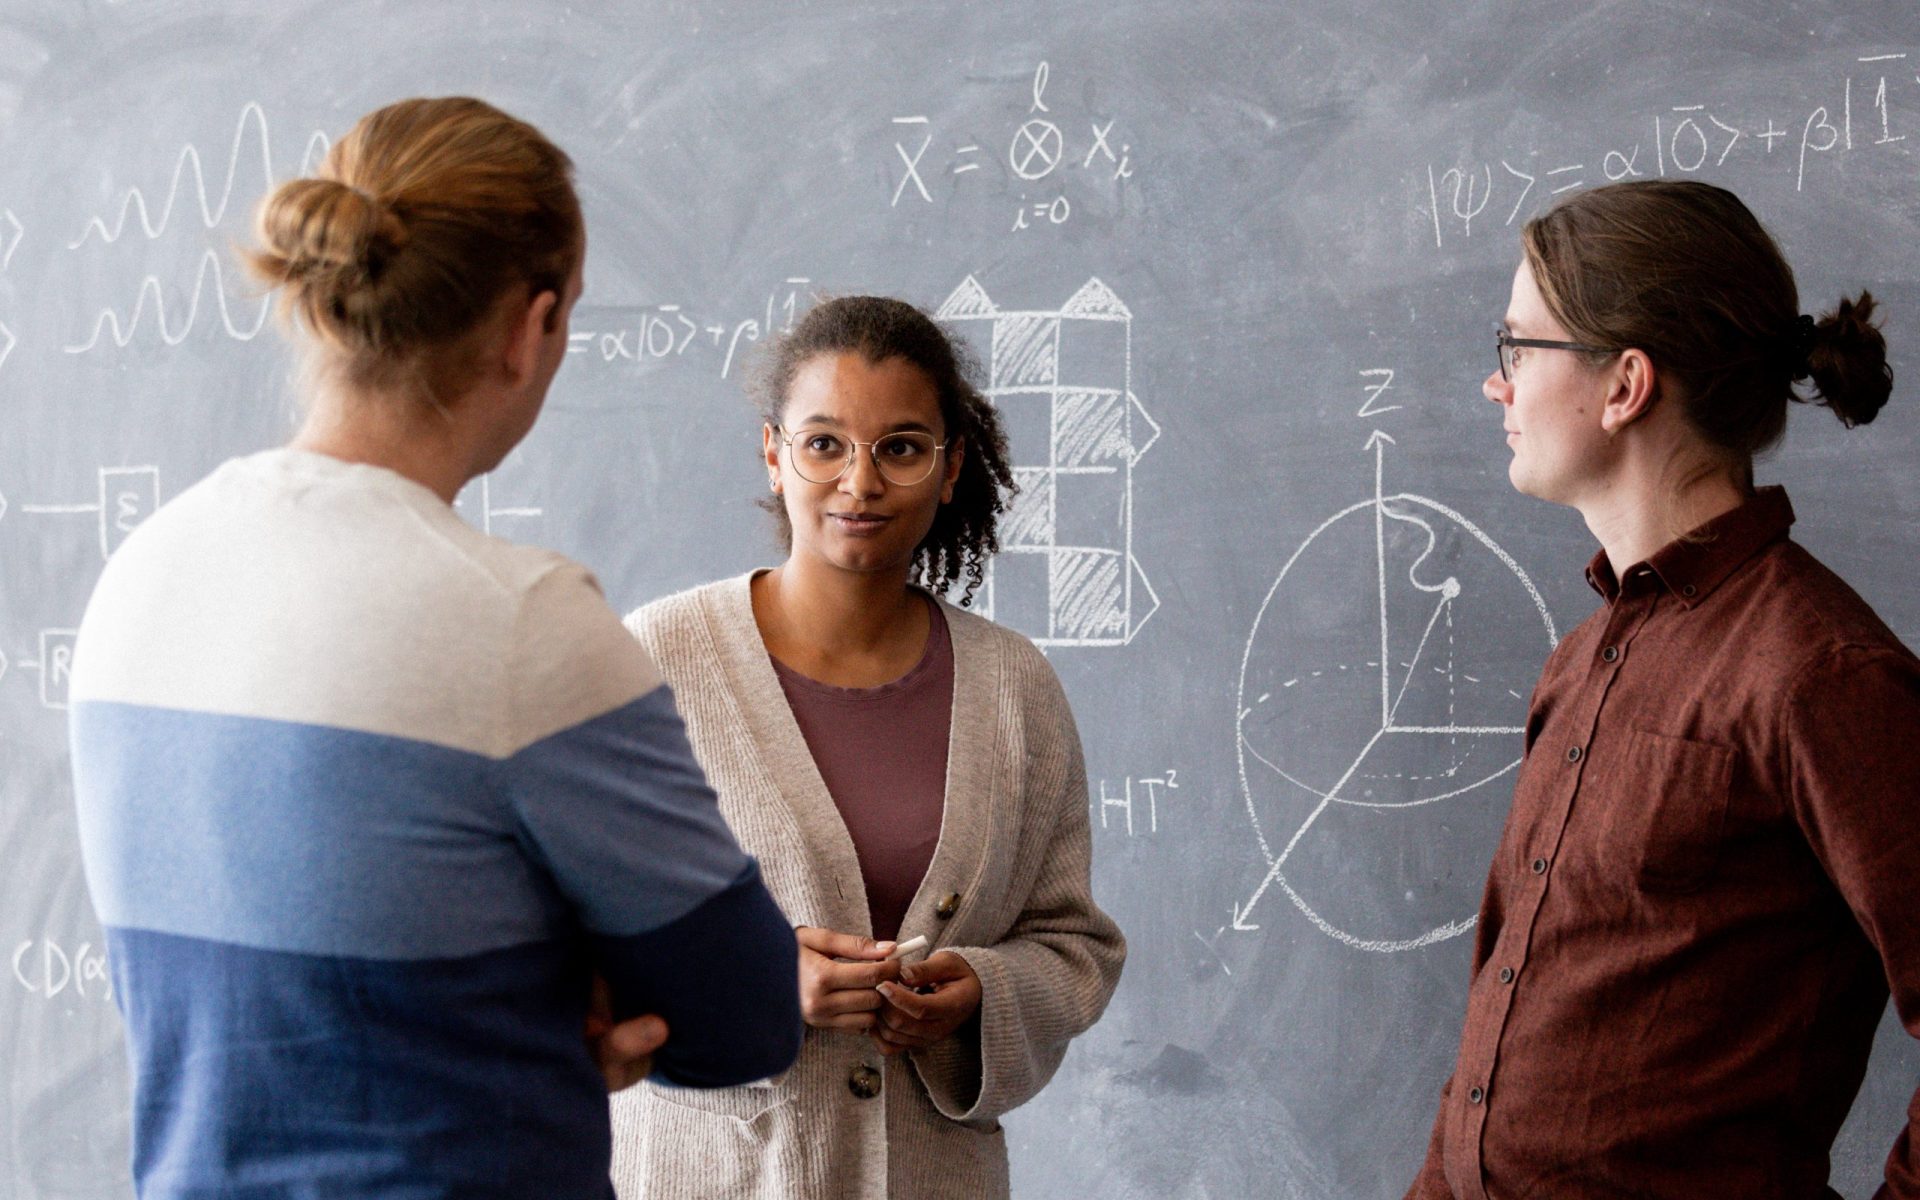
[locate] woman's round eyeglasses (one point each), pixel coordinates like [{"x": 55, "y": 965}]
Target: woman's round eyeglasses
[{"x": 823, "y": 456}]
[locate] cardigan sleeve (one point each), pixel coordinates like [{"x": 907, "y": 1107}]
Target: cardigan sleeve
[{"x": 1049, "y": 979}]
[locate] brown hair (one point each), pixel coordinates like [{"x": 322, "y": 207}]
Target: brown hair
[
  {"x": 965, "y": 530},
  {"x": 398, "y": 249},
  {"x": 1684, "y": 271}
]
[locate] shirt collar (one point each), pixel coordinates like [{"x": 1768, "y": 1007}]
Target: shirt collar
[{"x": 1692, "y": 566}]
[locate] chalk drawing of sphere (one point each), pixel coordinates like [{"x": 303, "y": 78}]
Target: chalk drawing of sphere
[{"x": 1378, "y": 784}]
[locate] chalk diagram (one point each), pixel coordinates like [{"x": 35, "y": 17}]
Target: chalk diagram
[
  {"x": 128, "y": 496},
  {"x": 11, "y": 231},
  {"x": 209, "y": 276},
  {"x": 1383, "y": 685},
  {"x": 1063, "y": 382},
  {"x": 484, "y": 511}
]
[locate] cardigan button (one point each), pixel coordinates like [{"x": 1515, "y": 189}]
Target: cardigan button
[
  {"x": 949, "y": 905},
  {"x": 864, "y": 1082}
]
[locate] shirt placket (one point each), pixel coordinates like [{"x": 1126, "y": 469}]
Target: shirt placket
[{"x": 1492, "y": 994}]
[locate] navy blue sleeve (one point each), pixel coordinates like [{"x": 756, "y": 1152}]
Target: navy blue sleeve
[{"x": 726, "y": 978}]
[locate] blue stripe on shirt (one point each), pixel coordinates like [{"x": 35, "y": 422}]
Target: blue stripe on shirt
[
  {"x": 319, "y": 840},
  {"x": 266, "y": 1074}
]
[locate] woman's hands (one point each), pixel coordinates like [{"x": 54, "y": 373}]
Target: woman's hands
[
  {"x": 932, "y": 999},
  {"x": 903, "y": 1006},
  {"x": 841, "y": 995}
]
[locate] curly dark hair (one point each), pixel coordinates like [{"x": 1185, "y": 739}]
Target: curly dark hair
[{"x": 965, "y": 531}]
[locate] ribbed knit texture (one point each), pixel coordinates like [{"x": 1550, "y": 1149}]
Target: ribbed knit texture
[{"x": 1014, "y": 846}]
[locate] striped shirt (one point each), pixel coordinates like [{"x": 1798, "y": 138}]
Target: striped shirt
[{"x": 365, "y": 798}]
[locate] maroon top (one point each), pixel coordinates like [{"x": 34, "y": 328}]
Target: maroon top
[
  {"x": 1710, "y": 874},
  {"x": 883, "y": 754}
]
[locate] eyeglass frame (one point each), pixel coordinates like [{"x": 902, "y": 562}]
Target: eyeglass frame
[
  {"x": 1502, "y": 339},
  {"x": 873, "y": 456}
]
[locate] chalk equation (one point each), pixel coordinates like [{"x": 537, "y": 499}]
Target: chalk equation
[
  {"x": 127, "y": 496},
  {"x": 1062, "y": 379},
  {"x": 1038, "y": 149},
  {"x": 1373, "y": 689},
  {"x": 47, "y": 969},
  {"x": 641, "y": 335},
  {"x": 1116, "y": 803},
  {"x": 1679, "y": 141}
]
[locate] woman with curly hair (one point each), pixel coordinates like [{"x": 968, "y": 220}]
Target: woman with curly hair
[{"x": 904, "y": 770}]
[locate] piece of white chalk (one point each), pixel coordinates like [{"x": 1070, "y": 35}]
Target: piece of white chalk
[{"x": 918, "y": 942}]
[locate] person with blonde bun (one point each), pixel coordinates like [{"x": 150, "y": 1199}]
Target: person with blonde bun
[
  {"x": 373, "y": 805},
  {"x": 1709, "y": 882}
]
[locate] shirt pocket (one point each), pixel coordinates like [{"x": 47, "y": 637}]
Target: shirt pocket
[{"x": 1666, "y": 819}]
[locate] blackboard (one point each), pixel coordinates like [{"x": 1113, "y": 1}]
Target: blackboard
[{"x": 1233, "y": 270}]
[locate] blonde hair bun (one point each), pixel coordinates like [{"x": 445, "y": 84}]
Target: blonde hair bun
[
  {"x": 327, "y": 234},
  {"x": 423, "y": 217}
]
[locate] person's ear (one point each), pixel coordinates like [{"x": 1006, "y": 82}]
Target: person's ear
[
  {"x": 770, "y": 450},
  {"x": 1631, "y": 389},
  {"x": 956, "y": 454},
  {"x": 529, "y": 327}
]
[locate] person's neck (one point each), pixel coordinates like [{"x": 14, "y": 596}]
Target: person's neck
[
  {"x": 1638, "y": 512},
  {"x": 838, "y": 627},
  {"x": 428, "y": 448}
]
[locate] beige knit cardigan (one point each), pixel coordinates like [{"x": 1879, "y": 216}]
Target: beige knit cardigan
[{"x": 1014, "y": 849}]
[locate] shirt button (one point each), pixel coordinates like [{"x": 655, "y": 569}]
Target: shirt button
[
  {"x": 1573, "y": 754},
  {"x": 949, "y": 905},
  {"x": 1539, "y": 866},
  {"x": 1688, "y": 590},
  {"x": 1506, "y": 974},
  {"x": 1611, "y": 654},
  {"x": 864, "y": 1082},
  {"x": 1475, "y": 1095}
]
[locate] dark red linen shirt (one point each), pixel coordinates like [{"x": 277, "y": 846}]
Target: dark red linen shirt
[
  {"x": 1708, "y": 879},
  {"x": 882, "y": 752}
]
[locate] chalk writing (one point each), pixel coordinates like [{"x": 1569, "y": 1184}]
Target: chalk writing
[
  {"x": 649, "y": 333},
  {"x": 1119, "y": 801},
  {"x": 54, "y": 665},
  {"x": 477, "y": 497},
  {"x": 1679, "y": 140},
  {"x": 108, "y": 322},
  {"x": 1039, "y": 147},
  {"x": 128, "y": 496},
  {"x": 48, "y": 969},
  {"x": 188, "y": 169}
]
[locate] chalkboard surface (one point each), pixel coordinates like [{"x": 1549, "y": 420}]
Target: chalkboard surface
[{"x": 1232, "y": 271}]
